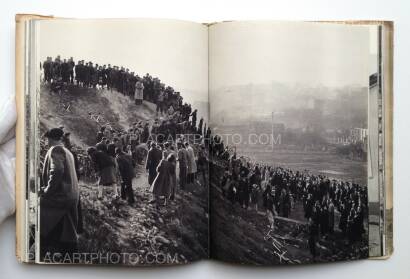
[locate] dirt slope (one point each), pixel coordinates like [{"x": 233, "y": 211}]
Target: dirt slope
[
  {"x": 83, "y": 110},
  {"x": 244, "y": 236},
  {"x": 174, "y": 234}
]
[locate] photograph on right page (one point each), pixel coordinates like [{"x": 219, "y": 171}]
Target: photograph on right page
[{"x": 289, "y": 110}]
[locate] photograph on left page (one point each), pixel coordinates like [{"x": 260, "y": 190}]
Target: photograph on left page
[{"x": 123, "y": 106}]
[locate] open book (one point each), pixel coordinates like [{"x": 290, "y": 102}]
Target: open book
[{"x": 156, "y": 142}]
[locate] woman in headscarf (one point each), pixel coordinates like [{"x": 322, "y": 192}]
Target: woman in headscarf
[{"x": 106, "y": 168}]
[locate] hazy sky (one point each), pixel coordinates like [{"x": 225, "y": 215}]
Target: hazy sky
[
  {"x": 288, "y": 52},
  {"x": 174, "y": 51},
  {"x": 240, "y": 52}
]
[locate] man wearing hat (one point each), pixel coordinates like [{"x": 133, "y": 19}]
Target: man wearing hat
[{"x": 59, "y": 196}]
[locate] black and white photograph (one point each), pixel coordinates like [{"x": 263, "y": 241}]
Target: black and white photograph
[
  {"x": 123, "y": 160},
  {"x": 204, "y": 139},
  {"x": 165, "y": 142},
  {"x": 289, "y": 175}
]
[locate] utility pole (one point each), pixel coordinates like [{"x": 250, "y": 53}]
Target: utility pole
[{"x": 273, "y": 136}]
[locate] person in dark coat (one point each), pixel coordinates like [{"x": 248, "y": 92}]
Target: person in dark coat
[
  {"x": 124, "y": 162},
  {"x": 47, "y": 66},
  {"x": 67, "y": 144},
  {"x": 285, "y": 203},
  {"x": 111, "y": 150},
  {"x": 232, "y": 190},
  {"x": 193, "y": 119},
  {"x": 100, "y": 134},
  {"x": 268, "y": 199},
  {"x": 344, "y": 213},
  {"x": 163, "y": 183},
  {"x": 243, "y": 191},
  {"x": 324, "y": 218},
  {"x": 203, "y": 166},
  {"x": 201, "y": 123},
  {"x": 313, "y": 236},
  {"x": 153, "y": 158},
  {"x": 71, "y": 65},
  {"x": 145, "y": 133},
  {"x": 64, "y": 71},
  {"x": 308, "y": 206},
  {"x": 106, "y": 170},
  {"x": 59, "y": 196},
  {"x": 331, "y": 215}
]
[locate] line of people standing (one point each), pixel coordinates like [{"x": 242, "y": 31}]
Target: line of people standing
[
  {"x": 162, "y": 162},
  {"x": 59, "y": 72}
]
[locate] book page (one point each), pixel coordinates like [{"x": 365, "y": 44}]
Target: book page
[
  {"x": 24, "y": 223},
  {"x": 290, "y": 141},
  {"x": 120, "y": 164}
]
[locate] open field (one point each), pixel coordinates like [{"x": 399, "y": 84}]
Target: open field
[{"x": 325, "y": 163}]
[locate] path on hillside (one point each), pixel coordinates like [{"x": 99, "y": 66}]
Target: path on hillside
[{"x": 177, "y": 232}]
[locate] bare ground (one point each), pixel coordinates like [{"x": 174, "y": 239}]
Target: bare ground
[{"x": 175, "y": 234}]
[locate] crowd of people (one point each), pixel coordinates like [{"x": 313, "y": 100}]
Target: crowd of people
[
  {"x": 177, "y": 150},
  {"x": 171, "y": 147},
  {"x": 115, "y": 157},
  {"x": 276, "y": 190},
  {"x": 164, "y": 161},
  {"x": 59, "y": 72}
]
